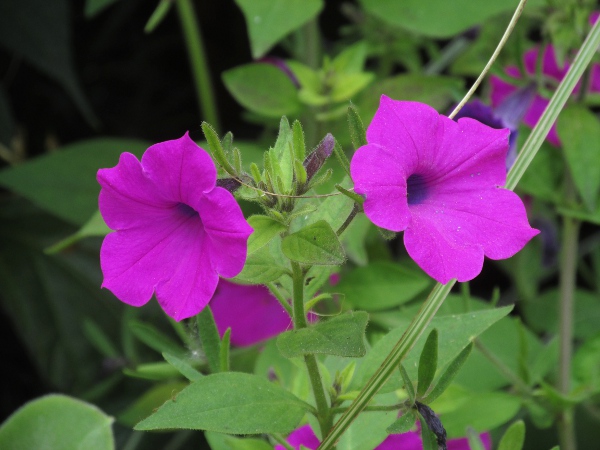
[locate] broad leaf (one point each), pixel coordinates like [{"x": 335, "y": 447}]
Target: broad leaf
[
  {"x": 316, "y": 244},
  {"x": 230, "y": 402},
  {"x": 57, "y": 422},
  {"x": 265, "y": 229},
  {"x": 341, "y": 336},
  {"x": 263, "y": 266}
]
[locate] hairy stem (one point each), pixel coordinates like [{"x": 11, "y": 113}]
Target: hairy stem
[{"x": 197, "y": 56}]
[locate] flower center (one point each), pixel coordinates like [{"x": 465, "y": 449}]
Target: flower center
[
  {"x": 416, "y": 189},
  {"x": 186, "y": 210}
]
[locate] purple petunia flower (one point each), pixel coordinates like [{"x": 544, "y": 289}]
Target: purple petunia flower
[
  {"x": 252, "y": 313},
  {"x": 438, "y": 181},
  {"x": 175, "y": 231},
  {"x": 551, "y": 71},
  {"x": 406, "y": 441}
]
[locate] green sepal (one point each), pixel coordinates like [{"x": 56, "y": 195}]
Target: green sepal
[
  {"x": 237, "y": 160},
  {"x": 358, "y": 134},
  {"x": 300, "y": 173},
  {"x": 446, "y": 378},
  {"x": 427, "y": 363},
  {"x": 359, "y": 199},
  {"x": 210, "y": 339},
  {"x": 216, "y": 148},
  {"x": 255, "y": 171}
]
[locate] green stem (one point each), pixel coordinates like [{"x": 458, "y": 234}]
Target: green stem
[
  {"x": 396, "y": 407},
  {"x": 324, "y": 415},
  {"x": 197, "y": 56},
  {"x": 348, "y": 220},
  {"x": 282, "y": 301},
  {"x": 449, "y": 53},
  {"x": 567, "y": 277}
]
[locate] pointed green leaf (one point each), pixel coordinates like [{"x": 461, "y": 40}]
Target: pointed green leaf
[
  {"x": 408, "y": 385},
  {"x": 316, "y": 244},
  {"x": 182, "y": 366},
  {"x": 579, "y": 131},
  {"x": 57, "y": 422},
  {"x": 265, "y": 229},
  {"x": 403, "y": 424},
  {"x": 155, "y": 339},
  {"x": 224, "y": 351},
  {"x": 160, "y": 12},
  {"x": 210, "y": 339},
  {"x": 230, "y": 402},
  {"x": 357, "y": 129},
  {"x": 299, "y": 145},
  {"x": 216, "y": 148},
  {"x": 449, "y": 374},
  {"x": 149, "y": 401},
  {"x": 158, "y": 371},
  {"x": 93, "y": 227},
  {"x": 269, "y": 21},
  {"x": 427, "y": 363},
  {"x": 283, "y": 153},
  {"x": 514, "y": 437},
  {"x": 263, "y": 266},
  {"x": 341, "y": 336}
]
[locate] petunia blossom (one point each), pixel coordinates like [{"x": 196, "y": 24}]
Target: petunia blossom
[
  {"x": 252, "y": 313},
  {"x": 411, "y": 440},
  {"x": 552, "y": 72},
  {"x": 439, "y": 182},
  {"x": 175, "y": 231}
]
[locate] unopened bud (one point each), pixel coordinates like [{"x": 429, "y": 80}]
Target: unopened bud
[{"x": 319, "y": 155}]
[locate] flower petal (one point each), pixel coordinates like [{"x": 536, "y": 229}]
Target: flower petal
[
  {"x": 227, "y": 231},
  {"x": 378, "y": 173},
  {"x": 252, "y": 313},
  {"x": 450, "y": 233},
  {"x": 410, "y": 440},
  {"x": 183, "y": 170},
  {"x": 128, "y": 198}
]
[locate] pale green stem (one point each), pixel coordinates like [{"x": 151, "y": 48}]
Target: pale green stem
[
  {"x": 324, "y": 415},
  {"x": 197, "y": 56}
]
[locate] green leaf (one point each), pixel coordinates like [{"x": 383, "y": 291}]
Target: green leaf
[
  {"x": 408, "y": 385},
  {"x": 93, "y": 7},
  {"x": 283, "y": 155},
  {"x": 262, "y": 266},
  {"x": 427, "y": 363},
  {"x": 149, "y": 401},
  {"x": 156, "y": 339},
  {"x": 455, "y": 333},
  {"x": 449, "y": 374},
  {"x": 382, "y": 285},
  {"x": 315, "y": 244},
  {"x": 341, "y": 336},
  {"x": 265, "y": 229},
  {"x": 269, "y": 21},
  {"x": 262, "y": 88},
  {"x": 403, "y": 424},
  {"x": 347, "y": 85},
  {"x": 209, "y": 336},
  {"x": 230, "y": 402},
  {"x": 182, "y": 366},
  {"x": 99, "y": 339},
  {"x": 93, "y": 227},
  {"x": 586, "y": 364},
  {"x": 437, "y": 18},
  {"x": 357, "y": 129},
  {"x": 159, "y": 14},
  {"x": 224, "y": 351},
  {"x": 39, "y": 32},
  {"x": 64, "y": 182},
  {"x": 216, "y": 148},
  {"x": 57, "y": 422},
  {"x": 579, "y": 132},
  {"x": 352, "y": 59},
  {"x": 514, "y": 437},
  {"x": 298, "y": 138},
  {"x": 157, "y": 371}
]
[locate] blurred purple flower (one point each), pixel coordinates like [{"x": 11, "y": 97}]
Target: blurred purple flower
[
  {"x": 252, "y": 313},
  {"x": 551, "y": 71},
  {"x": 438, "y": 181},
  {"x": 175, "y": 231},
  {"x": 405, "y": 441}
]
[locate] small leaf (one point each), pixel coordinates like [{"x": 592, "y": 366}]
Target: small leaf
[
  {"x": 155, "y": 339},
  {"x": 99, "y": 339},
  {"x": 403, "y": 424},
  {"x": 224, "y": 351},
  {"x": 449, "y": 374},
  {"x": 427, "y": 363},
  {"x": 341, "y": 336},
  {"x": 263, "y": 89},
  {"x": 57, "y": 422},
  {"x": 269, "y": 21},
  {"x": 514, "y": 437},
  {"x": 357, "y": 129},
  {"x": 408, "y": 385},
  {"x": 230, "y": 402},
  {"x": 579, "y": 131},
  {"x": 209, "y": 336},
  {"x": 182, "y": 366},
  {"x": 216, "y": 148},
  {"x": 316, "y": 244},
  {"x": 352, "y": 195},
  {"x": 265, "y": 229}
]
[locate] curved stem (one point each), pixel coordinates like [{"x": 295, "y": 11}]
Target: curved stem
[{"x": 197, "y": 55}]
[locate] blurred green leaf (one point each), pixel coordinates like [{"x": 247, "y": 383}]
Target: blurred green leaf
[
  {"x": 93, "y": 227},
  {"x": 448, "y": 375},
  {"x": 159, "y": 14},
  {"x": 39, "y": 32},
  {"x": 93, "y": 7},
  {"x": 342, "y": 336},
  {"x": 230, "y": 402},
  {"x": 439, "y": 18},
  {"x": 586, "y": 364},
  {"x": 150, "y": 401},
  {"x": 182, "y": 366},
  {"x": 514, "y": 437},
  {"x": 57, "y": 422},
  {"x": 269, "y": 21},
  {"x": 156, "y": 371},
  {"x": 382, "y": 285},
  {"x": 64, "y": 182},
  {"x": 315, "y": 244},
  {"x": 156, "y": 339},
  {"x": 262, "y": 88},
  {"x": 579, "y": 132}
]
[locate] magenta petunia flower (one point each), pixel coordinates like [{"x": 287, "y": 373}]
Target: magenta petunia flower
[
  {"x": 406, "y": 441},
  {"x": 175, "y": 231},
  {"x": 252, "y": 313},
  {"x": 553, "y": 74},
  {"x": 439, "y": 182}
]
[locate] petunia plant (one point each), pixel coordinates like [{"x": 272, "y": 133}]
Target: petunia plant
[{"x": 389, "y": 261}]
